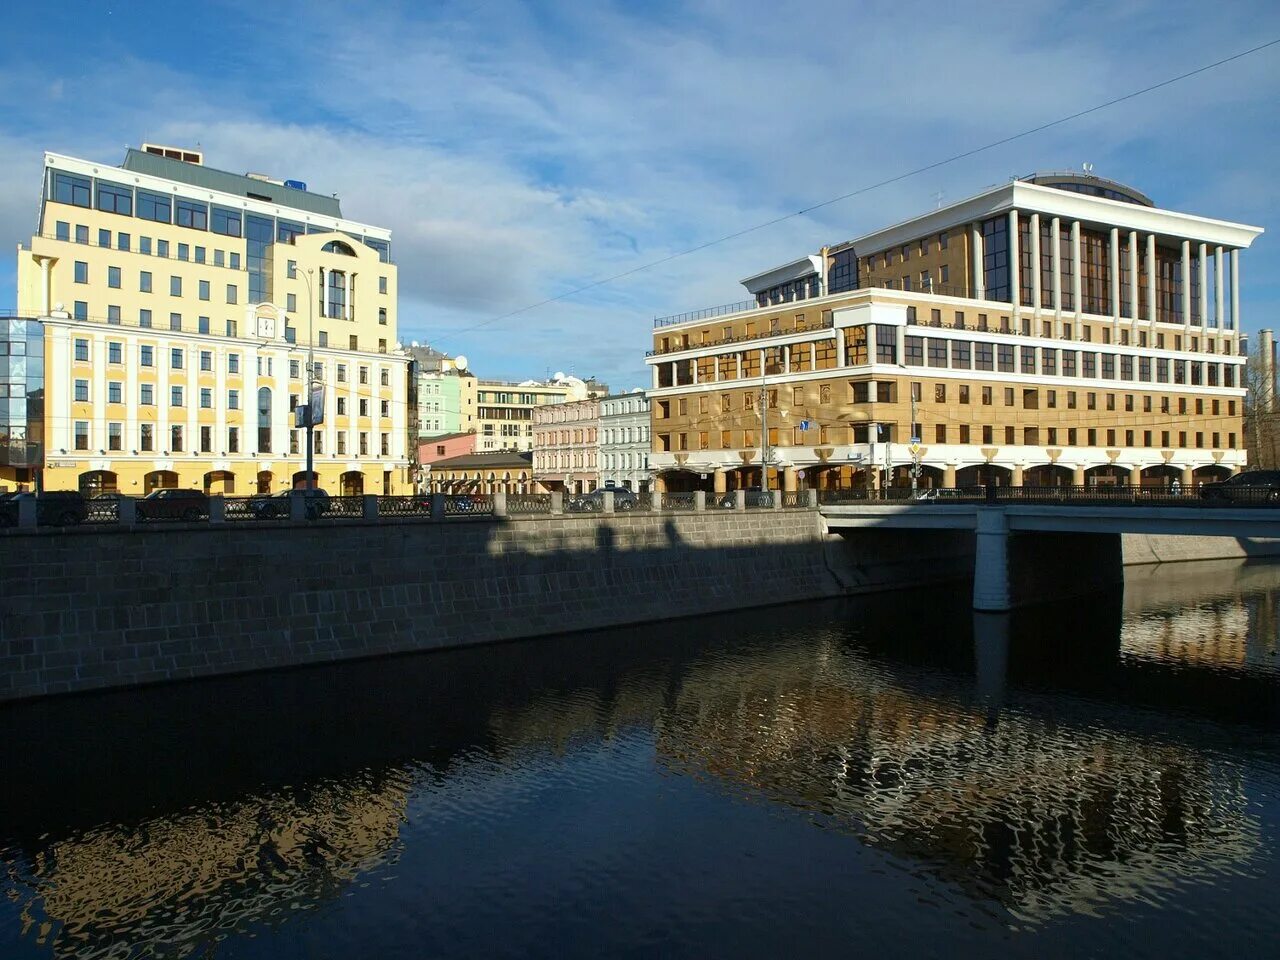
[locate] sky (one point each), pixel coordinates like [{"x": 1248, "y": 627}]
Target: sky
[{"x": 522, "y": 149}]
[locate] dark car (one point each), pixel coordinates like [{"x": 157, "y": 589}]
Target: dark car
[
  {"x": 623, "y": 499},
  {"x": 173, "y": 503},
  {"x": 277, "y": 507},
  {"x": 1252, "y": 486},
  {"x": 54, "y": 508}
]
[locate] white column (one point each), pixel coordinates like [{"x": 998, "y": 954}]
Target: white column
[
  {"x": 1204, "y": 287},
  {"x": 1075, "y": 267},
  {"x": 162, "y": 398},
  {"x": 1035, "y": 264},
  {"x": 1186, "y": 286},
  {"x": 58, "y": 401},
  {"x": 1115, "y": 280},
  {"x": 871, "y": 343},
  {"x": 1152, "y": 312},
  {"x": 693, "y": 370},
  {"x": 1015, "y": 268},
  {"x": 1057, "y": 268},
  {"x": 654, "y": 370},
  {"x": 324, "y": 295},
  {"x": 349, "y": 309},
  {"x": 1219, "y": 276},
  {"x": 840, "y": 347},
  {"x": 220, "y": 405},
  {"x": 786, "y": 358},
  {"x": 1134, "y": 293},
  {"x": 98, "y": 394},
  {"x": 975, "y": 243},
  {"x": 131, "y": 437},
  {"x": 1235, "y": 292}
]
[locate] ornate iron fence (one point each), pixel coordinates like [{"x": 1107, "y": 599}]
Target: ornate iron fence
[
  {"x": 528, "y": 504},
  {"x": 343, "y": 508},
  {"x": 678, "y": 501},
  {"x": 413, "y": 506},
  {"x": 584, "y": 504},
  {"x": 103, "y": 510},
  {"x": 722, "y": 501},
  {"x": 468, "y": 505},
  {"x": 249, "y": 509}
]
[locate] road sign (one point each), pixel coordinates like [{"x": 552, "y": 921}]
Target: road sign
[
  {"x": 804, "y": 424},
  {"x": 800, "y": 474},
  {"x": 915, "y": 446},
  {"x": 915, "y": 441}
]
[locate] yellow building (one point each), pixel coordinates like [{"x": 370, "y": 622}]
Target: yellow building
[
  {"x": 1059, "y": 329},
  {"x": 505, "y": 411},
  {"x": 181, "y": 307}
]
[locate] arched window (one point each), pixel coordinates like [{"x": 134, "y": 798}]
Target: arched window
[{"x": 337, "y": 246}]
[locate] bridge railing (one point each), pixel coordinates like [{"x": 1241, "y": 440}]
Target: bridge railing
[{"x": 1207, "y": 496}]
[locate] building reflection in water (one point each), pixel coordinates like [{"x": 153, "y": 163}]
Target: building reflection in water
[
  {"x": 1016, "y": 759},
  {"x": 192, "y": 876}
]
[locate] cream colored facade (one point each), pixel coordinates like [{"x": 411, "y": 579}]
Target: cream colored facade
[
  {"x": 180, "y": 305},
  {"x": 566, "y": 447},
  {"x": 505, "y": 411},
  {"x": 1119, "y": 357}
]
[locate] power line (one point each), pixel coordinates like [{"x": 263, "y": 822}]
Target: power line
[{"x": 868, "y": 188}]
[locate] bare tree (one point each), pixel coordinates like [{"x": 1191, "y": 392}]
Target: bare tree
[{"x": 1261, "y": 421}]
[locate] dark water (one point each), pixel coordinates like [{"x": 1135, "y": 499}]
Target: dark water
[{"x": 889, "y": 776}]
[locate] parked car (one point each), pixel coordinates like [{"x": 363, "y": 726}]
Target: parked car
[
  {"x": 173, "y": 503},
  {"x": 1252, "y": 486},
  {"x": 54, "y": 508},
  {"x": 276, "y": 507},
  {"x": 623, "y": 499}
]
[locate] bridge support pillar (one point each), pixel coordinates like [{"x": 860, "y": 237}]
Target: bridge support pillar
[
  {"x": 1017, "y": 474},
  {"x": 1077, "y": 475},
  {"x": 949, "y": 475},
  {"x": 991, "y": 561},
  {"x": 1187, "y": 479}
]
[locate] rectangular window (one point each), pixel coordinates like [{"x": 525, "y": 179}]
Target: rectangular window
[
  {"x": 175, "y": 439},
  {"x": 175, "y": 358},
  {"x": 68, "y": 188},
  {"x": 81, "y": 391},
  {"x": 226, "y": 222},
  {"x": 175, "y": 286},
  {"x": 162, "y": 248},
  {"x": 144, "y": 318},
  {"x": 175, "y": 396},
  {"x": 115, "y": 352},
  {"x": 82, "y": 271},
  {"x": 80, "y": 309},
  {"x": 235, "y": 260},
  {"x": 206, "y": 398},
  {"x": 382, "y": 316},
  {"x": 291, "y": 302},
  {"x": 154, "y": 206},
  {"x": 146, "y": 395},
  {"x": 202, "y": 324},
  {"x": 199, "y": 258},
  {"x": 192, "y": 214},
  {"x": 233, "y": 439},
  {"x": 382, "y": 284},
  {"x": 62, "y": 231},
  {"x": 206, "y": 359},
  {"x": 233, "y": 293},
  {"x": 914, "y": 351},
  {"x": 114, "y": 388},
  {"x": 219, "y": 258},
  {"x": 82, "y": 434},
  {"x": 113, "y": 277},
  {"x": 1004, "y": 355},
  {"x": 144, "y": 281},
  {"x": 233, "y": 399},
  {"x": 146, "y": 356},
  {"x": 175, "y": 321},
  {"x": 204, "y": 289}
]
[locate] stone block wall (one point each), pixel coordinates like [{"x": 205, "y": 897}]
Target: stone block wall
[{"x": 86, "y": 609}]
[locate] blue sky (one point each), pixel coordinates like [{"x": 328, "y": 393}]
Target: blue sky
[{"x": 519, "y": 149}]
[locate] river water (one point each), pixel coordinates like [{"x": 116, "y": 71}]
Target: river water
[{"x": 891, "y": 775}]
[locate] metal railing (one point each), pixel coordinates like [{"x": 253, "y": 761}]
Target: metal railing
[
  {"x": 468, "y": 505},
  {"x": 343, "y": 508},
  {"x": 413, "y": 506},
  {"x": 678, "y": 501},
  {"x": 528, "y": 504},
  {"x": 574, "y": 504},
  {"x": 707, "y": 313},
  {"x": 254, "y": 509},
  {"x": 745, "y": 338},
  {"x": 759, "y": 499},
  {"x": 104, "y": 510},
  {"x": 794, "y": 499},
  {"x": 1208, "y": 496},
  {"x": 722, "y": 501}
]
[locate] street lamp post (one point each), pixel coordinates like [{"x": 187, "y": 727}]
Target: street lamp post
[{"x": 311, "y": 368}]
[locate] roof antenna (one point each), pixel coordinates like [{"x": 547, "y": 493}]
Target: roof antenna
[{"x": 938, "y": 200}]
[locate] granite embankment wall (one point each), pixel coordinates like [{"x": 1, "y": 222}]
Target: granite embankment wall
[
  {"x": 1141, "y": 548},
  {"x": 86, "y": 609}
]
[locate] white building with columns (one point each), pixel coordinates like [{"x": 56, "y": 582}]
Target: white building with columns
[{"x": 1059, "y": 327}]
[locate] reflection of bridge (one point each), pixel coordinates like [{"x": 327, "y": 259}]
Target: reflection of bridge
[{"x": 1015, "y": 563}]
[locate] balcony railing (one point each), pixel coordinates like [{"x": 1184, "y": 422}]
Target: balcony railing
[
  {"x": 706, "y": 313},
  {"x": 763, "y": 335}
]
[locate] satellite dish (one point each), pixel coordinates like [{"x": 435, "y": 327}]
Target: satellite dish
[
  {"x": 460, "y": 362},
  {"x": 1087, "y": 167},
  {"x": 559, "y": 375}
]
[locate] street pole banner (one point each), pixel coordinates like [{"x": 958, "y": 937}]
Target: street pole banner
[{"x": 317, "y": 404}]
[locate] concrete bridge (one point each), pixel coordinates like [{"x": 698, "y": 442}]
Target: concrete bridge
[{"x": 1025, "y": 551}]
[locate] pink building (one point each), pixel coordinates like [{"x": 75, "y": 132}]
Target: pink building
[
  {"x": 443, "y": 447},
  {"x": 566, "y": 446}
]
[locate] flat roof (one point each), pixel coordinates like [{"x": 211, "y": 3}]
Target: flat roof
[{"x": 499, "y": 459}]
